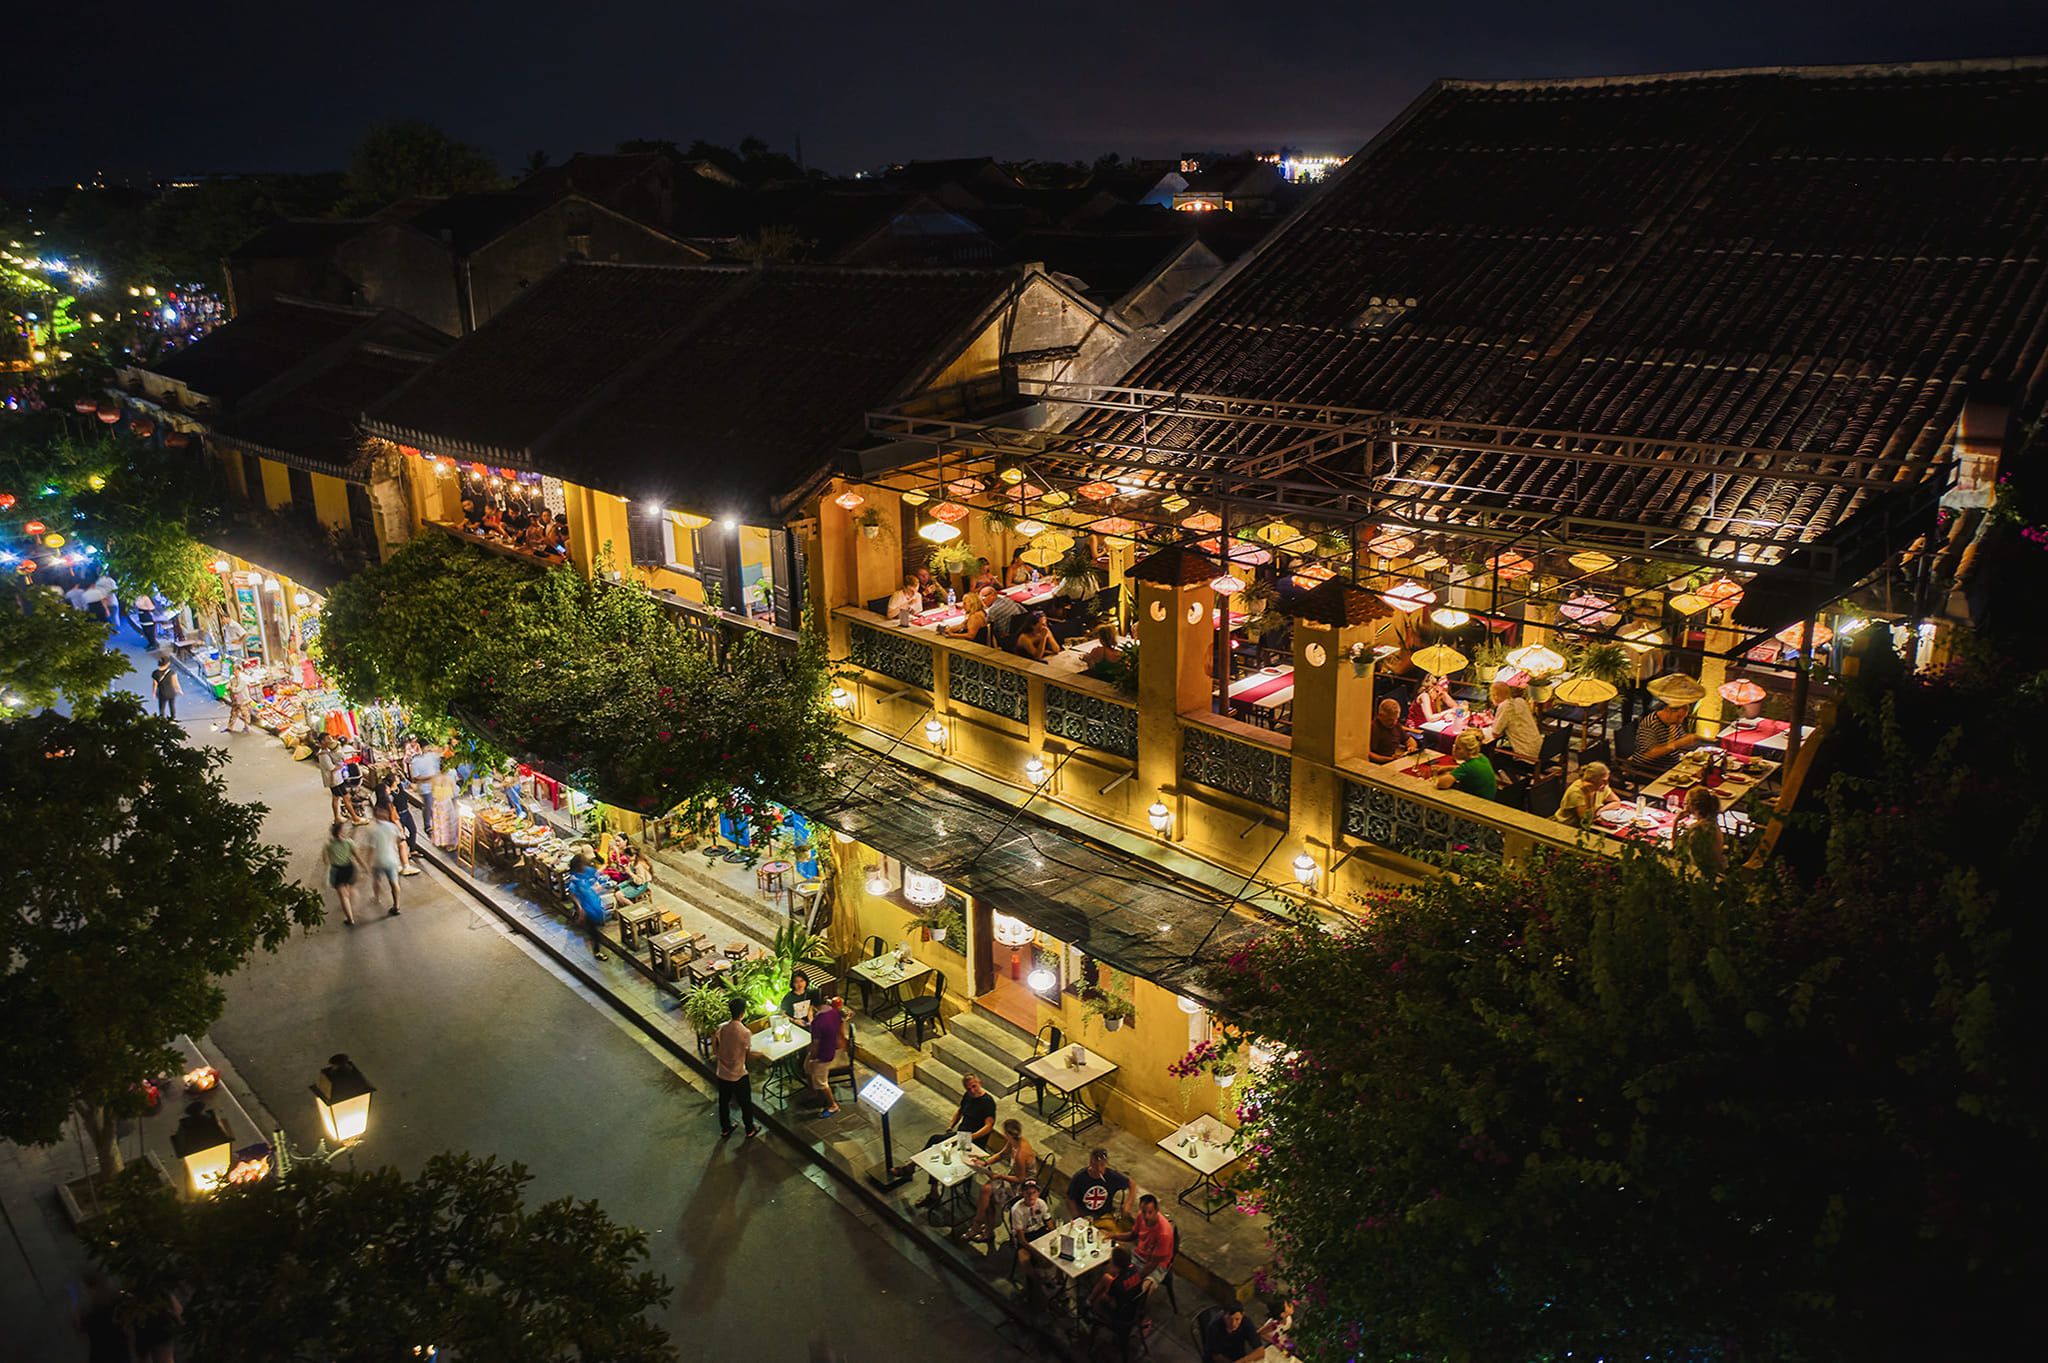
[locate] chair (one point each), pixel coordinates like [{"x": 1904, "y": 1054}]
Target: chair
[
  {"x": 1546, "y": 795},
  {"x": 1203, "y": 1319},
  {"x": 845, "y": 1071},
  {"x": 1552, "y": 753},
  {"x": 922, "y": 1009},
  {"x": 1047, "y": 1041}
]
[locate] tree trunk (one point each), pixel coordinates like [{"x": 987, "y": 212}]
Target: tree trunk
[{"x": 105, "y": 1130}]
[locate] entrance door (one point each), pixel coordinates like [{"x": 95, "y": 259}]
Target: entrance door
[{"x": 981, "y": 938}]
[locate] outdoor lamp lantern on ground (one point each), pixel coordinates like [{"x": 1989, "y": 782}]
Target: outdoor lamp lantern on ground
[
  {"x": 203, "y": 1145},
  {"x": 343, "y": 1097}
]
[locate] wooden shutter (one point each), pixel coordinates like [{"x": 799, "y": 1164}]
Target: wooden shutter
[
  {"x": 789, "y": 566},
  {"x": 710, "y": 549},
  {"x": 643, "y": 535}
]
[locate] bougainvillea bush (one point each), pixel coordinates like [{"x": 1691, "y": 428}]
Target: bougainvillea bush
[{"x": 1606, "y": 1107}]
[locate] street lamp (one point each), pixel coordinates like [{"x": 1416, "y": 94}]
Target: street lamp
[
  {"x": 935, "y": 734},
  {"x": 343, "y": 1097},
  {"x": 1305, "y": 870},
  {"x": 203, "y": 1145},
  {"x": 842, "y": 699},
  {"x": 1160, "y": 817}
]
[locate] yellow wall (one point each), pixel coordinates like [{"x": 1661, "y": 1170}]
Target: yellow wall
[
  {"x": 330, "y": 500},
  {"x": 277, "y": 484}
]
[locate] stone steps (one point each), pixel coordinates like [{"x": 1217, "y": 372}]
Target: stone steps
[{"x": 683, "y": 874}]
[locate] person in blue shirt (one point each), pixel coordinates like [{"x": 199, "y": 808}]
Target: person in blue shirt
[{"x": 588, "y": 889}]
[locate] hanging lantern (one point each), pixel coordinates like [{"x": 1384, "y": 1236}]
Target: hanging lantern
[
  {"x": 1250, "y": 555},
  {"x": 850, "y": 500},
  {"x": 1029, "y": 529},
  {"x": 1392, "y": 546},
  {"x": 1408, "y": 597},
  {"x": 6, "y": 501},
  {"x": 1011, "y": 474},
  {"x": 1057, "y": 498},
  {"x": 110, "y": 414},
  {"x": 1202, "y": 522},
  {"x": 1724, "y": 592},
  {"x": 1741, "y": 691},
  {"x": 1510, "y": 566},
  {"x": 85, "y": 406},
  {"x": 1788, "y": 636},
  {"x": 952, "y": 513},
  {"x": 143, "y": 427},
  {"x": 1159, "y": 816},
  {"x": 1536, "y": 660},
  {"x": 1447, "y": 618},
  {"x": 938, "y": 532},
  {"x": 1429, "y": 561},
  {"x": 1589, "y": 611},
  {"x": 1640, "y": 639},
  {"x": 34, "y": 528},
  {"x": 877, "y": 884},
  {"x": 1689, "y": 603},
  {"x": 1312, "y": 575},
  {"x": 1188, "y": 1005},
  {"x": 1114, "y": 526},
  {"x": 923, "y": 890},
  {"x": 1097, "y": 492},
  {"x": 1175, "y": 504},
  {"x": 916, "y": 498},
  {"x": 479, "y": 469},
  {"x": 963, "y": 488},
  {"x": 1591, "y": 561},
  {"x": 1011, "y": 932},
  {"x": 54, "y": 540},
  {"x": 176, "y": 440},
  {"x": 1276, "y": 532},
  {"x": 1226, "y": 585}
]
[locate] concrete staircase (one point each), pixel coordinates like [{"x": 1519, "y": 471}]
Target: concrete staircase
[{"x": 684, "y": 875}]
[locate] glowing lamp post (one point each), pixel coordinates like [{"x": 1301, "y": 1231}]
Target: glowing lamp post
[
  {"x": 343, "y": 1097},
  {"x": 203, "y": 1146}
]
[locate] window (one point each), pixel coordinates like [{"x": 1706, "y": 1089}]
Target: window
[
  {"x": 252, "y": 479},
  {"x": 362, "y": 515},
  {"x": 302, "y": 491},
  {"x": 645, "y": 540},
  {"x": 681, "y": 547}
]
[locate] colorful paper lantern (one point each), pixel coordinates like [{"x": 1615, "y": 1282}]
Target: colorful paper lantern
[
  {"x": 1510, "y": 566},
  {"x": 1408, "y": 597},
  {"x": 1741, "y": 691},
  {"x": 1202, "y": 522},
  {"x": 849, "y": 500},
  {"x": 1536, "y": 660}
]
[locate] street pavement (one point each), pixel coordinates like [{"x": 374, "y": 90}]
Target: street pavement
[{"x": 476, "y": 1044}]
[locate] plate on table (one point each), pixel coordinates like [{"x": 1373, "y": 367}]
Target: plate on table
[
  {"x": 1619, "y": 816},
  {"x": 1646, "y": 822}
]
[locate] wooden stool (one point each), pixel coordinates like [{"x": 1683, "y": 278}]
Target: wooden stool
[{"x": 735, "y": 951}]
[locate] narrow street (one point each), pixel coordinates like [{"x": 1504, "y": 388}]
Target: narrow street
[{"x": 476, "y": 1045}]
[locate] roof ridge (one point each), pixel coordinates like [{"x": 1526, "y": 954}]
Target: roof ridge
[{"x": 1838, "y": 71}]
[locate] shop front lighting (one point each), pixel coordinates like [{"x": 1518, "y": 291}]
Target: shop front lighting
[
  {"x": 301, "y": 599},
  {"x": 730, "y": 522},
  {"x": 922, "y": 890},
  {"x": 1011, "y": 932}
]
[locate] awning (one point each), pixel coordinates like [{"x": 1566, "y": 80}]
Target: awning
[{"x": 1118, "y": 909}]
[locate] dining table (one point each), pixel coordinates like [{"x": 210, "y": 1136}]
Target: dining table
[
  {"x": 1761, "y": 738},
  {"x": 889, "y": 973},
  {"x": 1264, "y": 692},
  {"x": 1029, "y": 595},
  {"x": 1440, "y": 733},
  {"x": 1744, "y": 774},
  {"x": 951, "y": 1163},
  {"x": 1076, "y": 1249},
  {"x": 1207, "y": 1146},
  {"x": 1071, "y": 1069},
  {"x": 782, "y": 1055}
]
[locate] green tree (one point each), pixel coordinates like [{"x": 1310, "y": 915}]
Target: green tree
[
  {"x": 399, "y": 160},
  {"x": 133, "y": 884},
  {"x": 1605, "y": 1108},
  {"x": 334, "y": 1266},
  {"x": 48, "y": 650}
]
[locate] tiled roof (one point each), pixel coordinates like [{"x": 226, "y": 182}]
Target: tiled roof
[
  {"x": 1338, "y": 601},
  {"x": 1820, "y": 260},
  {"x": 710, "y": 386},
  {"x": 301, "y": 238},
  {"x": 466, "y": 222},
  {"x": 312, "y": 416},
  {"x": 1111, "y": 264},
  {"x": 250, "y": 351}
]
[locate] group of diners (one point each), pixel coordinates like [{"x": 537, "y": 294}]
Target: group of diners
[{"x": 1507, "y": 737}]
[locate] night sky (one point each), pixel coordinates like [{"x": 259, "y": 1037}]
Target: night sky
[{"x": 178, "y": 89}]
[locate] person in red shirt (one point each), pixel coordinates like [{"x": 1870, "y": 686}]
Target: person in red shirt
[{"x": 1152, "y": 1240}]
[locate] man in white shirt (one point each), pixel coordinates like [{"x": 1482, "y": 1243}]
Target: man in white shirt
[{"x": 1514, "y": 720}]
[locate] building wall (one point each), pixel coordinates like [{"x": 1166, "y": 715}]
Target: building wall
[
  {"x": 393, "y": 266},
  {"x": 330, "y": 501},
  {"x": 277, "y": 484},
  {"x": 503, "y": 269}
]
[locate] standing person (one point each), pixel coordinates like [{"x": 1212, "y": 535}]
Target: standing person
[
  {"x": 75, "y": 596},
  {"x": 385, "y": 861},
  {"x": 144, "y": 616},
  {"x": 424, "y": 767},
  {"x": 165, "y": 679},
  {"x": 588, "y": 897},
  {"x": 826, "y": 1025},
  {"x": 334, "y": 775},
  {"x": 239, "y": 700},
  {"x": 108, "y": 596},
  {"x": 402, "y": 804},
  {"x": 341, "y": 857},
  {"x": 96, "y": 1314},
  {"x": 733, "y": 1043}
]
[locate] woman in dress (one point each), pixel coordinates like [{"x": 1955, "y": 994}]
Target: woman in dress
[{"x": 341, "y": 857}]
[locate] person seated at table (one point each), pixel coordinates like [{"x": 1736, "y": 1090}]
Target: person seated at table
[
  {"x": 493, "y": 520},
  {"x": 537, "y": 535},
  {"x": 1005, "y": 617},
  {"x": 1006, "y": 1174},
  {"x": 984, "y": 576},
  {"x": 1035, "y": 641},
  {"x": 1433, "y": 700},
  {"x": 908, "y": 599},
  {"x": 933, "y": 591},
  {"x": 1029, "y": 1213},
  {"x": 801, "y": 1000},
  {"x": 1474, "y": 773},
  {"x": 558, "y": 534},
  {"x": 636, "y": 877},
  {"x": 1229, "y": 1337},
  {"x": 1389, "y": 740},
  {"x": 1118, "y": 1299},
  {"x": 1092, "y": 1191},
  {"x": 1661, "y": 736},
  {"x": 975, "y": 1117},
  {"x": 1513, "y": 732},
  {"x": 1152, "y": 1240},
  {"x": 973, "y": 627},
  {"x": 1019, "y": 572},
  {"x": 1702, "y": 839},
  {"x": 1586, "y": 797},
  {"x": 1105, "y": 648}
]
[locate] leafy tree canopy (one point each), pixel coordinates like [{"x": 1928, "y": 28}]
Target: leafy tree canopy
[
  {"x": 589, "y": 674},
  {"x": 399, "y": 160},
  {"x": 335, "y": 1266},
  {"x": 49, "y": 651},
  {"x": 132, "y": 884},
  {"x": 1605, "y": 1108}
]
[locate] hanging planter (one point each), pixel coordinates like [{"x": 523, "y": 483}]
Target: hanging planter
[
  {"x": 1112, "y": 1024},
  {"x": 1224, "y": 1077}
]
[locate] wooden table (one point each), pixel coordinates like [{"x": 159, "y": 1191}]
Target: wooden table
[
  {"x": 1734, "y": 785},
  {"x": 1029, "y": 596},
  {"x": 952, "y": 1178},
  {"x": 779, "y": 1081},
  {"x": 1265, "y": 693},
  {"x": 1213, "y": 1150},
  {"x": 883, "y": 973},
  {"x": 663, "y": 950},
  {"x": 1073, "y": 1116},
  {"x": 635, "y": 920}
]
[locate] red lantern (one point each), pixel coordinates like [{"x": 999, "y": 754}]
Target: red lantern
[
  {"x": 6, "y": 501},
  {"x": 85, "y": 406},
  {"x": 143, "y": 427},
  {"x": 176, "y": 440},
  {"x": 35, "y": 527},
  {"x": 478, "y": 469},
  {"x": 110, "y": 414}
]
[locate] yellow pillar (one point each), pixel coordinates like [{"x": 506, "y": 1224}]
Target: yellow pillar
[{"x": 1175, "y": 635}]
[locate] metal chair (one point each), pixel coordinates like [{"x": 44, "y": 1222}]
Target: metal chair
[
  {"x": 922, "y": 1009},
  {"x": 1047, "y": 1041}
]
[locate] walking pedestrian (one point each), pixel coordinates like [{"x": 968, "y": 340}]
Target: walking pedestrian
[
  {"x": 239, "y": 699},
  {"x": 826, "y": 1025},
  {"x": 341, "y": 856},
  {"x": 165, "y": 679},
  {"x": 402, "y": 803},
  {"x": 588, "y": 896},
  {"x": 144, "y": 617},
  {"x": 333, "y": 774},
  {"x": 733, "y": 1044},
  {"x": 385, "y": 863}
]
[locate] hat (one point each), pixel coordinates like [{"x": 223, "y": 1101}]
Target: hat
[{"x": 1677, "y": 689}]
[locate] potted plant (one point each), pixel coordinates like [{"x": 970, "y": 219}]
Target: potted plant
[
  {"x": 870, "y": 522},
  {"x": 1113, "y": 1005},
  {"x": 1076, "y": 572},
  {"x": 956, "y": 559},
  {"x": 706, "y": 1010},
  {"x": 1361, "y": 658},
  {"x": 796, "y": 947},
  {"x": 942, "y": 920}
]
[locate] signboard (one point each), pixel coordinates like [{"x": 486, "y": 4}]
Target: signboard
[
  {"x": 465, "y": 842},
  {"x": 880, "y": 1094}
]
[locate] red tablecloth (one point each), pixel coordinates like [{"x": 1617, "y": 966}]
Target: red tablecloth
[
  {"x": 1441, "y": 734},
  {"x": 1030, "y": 594},
  {"x": 1430, "y": 769},
  {"x": 1742, "y": 742},
  {"x": 1259, "y": 685}
]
